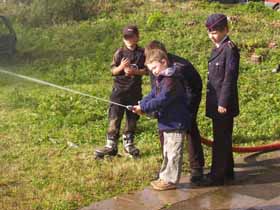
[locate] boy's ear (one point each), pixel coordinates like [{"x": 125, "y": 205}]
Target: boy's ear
[
  {"x": 164, "y": 61},
  {"x": 226, "y": 29}
]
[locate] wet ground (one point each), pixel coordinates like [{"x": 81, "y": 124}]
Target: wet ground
[{"x": 257, "y": 187}]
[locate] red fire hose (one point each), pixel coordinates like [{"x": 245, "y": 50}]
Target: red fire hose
[{"x": 238, "y": 149}]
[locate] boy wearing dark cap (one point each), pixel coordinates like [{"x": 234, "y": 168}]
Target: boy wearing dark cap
[
  {"x": 193, "y": 86},
  {"x": 221, "y": 98},
  {"x": 127, "y": 68}
]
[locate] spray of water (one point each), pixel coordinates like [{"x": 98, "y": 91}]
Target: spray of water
[{"x": 61, "y": 88}]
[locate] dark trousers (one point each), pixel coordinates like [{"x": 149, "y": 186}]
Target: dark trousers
[
  {"x": 222, "y": 156},
  {"x": 195, "y": 150},
  {"x": 116, "y": 114},
  {"x": 196, "y": 156}
]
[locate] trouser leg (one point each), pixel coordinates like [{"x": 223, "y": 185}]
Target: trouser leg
[
  {"x": 222, "y": 157},
  {"x": 195, "y": 151},
  {"x": 129, "y": 131},
  {"x": 115, "y": 118},
  {"x": 173, "y": 155},
  {"x": 161, "y": 141},
  {"x": 111, "y": 147}
]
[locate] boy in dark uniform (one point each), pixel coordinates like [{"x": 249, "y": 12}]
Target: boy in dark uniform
[
  {"x": 127, "y": 68},
  {"x": 193, "y": 86},
  {"x": 221, "y": 98}
]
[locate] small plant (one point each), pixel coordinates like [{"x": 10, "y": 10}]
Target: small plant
[{"x": 155, "y": 20}]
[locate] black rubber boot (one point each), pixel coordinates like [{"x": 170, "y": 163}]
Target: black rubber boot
[
  {"x": 105, "y": 151},
  {"x": 129, "y": 147},
  {"x": 196, "y": 175},
  {"x": 110, "y": 149}
]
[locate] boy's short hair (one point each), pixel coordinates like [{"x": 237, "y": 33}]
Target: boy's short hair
[
  {"x": 155, "y": 44},
  {"x": 156, "y": 55},
  {"x": 130, "y": 31},
  {"x": 216, "y": 22}
]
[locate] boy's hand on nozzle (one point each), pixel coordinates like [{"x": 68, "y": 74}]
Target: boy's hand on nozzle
[{"x": 137, "y": 109}]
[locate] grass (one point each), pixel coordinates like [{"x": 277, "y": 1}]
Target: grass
[{"x": 39, "y": 167}]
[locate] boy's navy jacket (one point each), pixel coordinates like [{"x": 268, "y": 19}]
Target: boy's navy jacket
[
  {"x": 190, "y": 77},
  {"x": 223, "y": 67},
  {"x": 169, "y": 100}
]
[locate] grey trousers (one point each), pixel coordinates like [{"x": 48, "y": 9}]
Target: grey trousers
[{"x": 172, "y": 156}]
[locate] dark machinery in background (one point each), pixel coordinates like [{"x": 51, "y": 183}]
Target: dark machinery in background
[{"x": 8, "y": 38}]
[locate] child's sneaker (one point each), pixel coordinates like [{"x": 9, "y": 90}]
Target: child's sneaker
[
  {"x": 162, "y": 185},
  {"x": 106, "y": 151}
]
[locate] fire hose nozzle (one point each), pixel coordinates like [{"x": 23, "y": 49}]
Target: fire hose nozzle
[{"x": 129, "y": 107}]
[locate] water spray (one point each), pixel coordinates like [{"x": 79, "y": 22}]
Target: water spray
[
  {"x": 205, "y": 141},
  {"x": 129, "y": 107}
]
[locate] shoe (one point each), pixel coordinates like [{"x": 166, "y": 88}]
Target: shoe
[
  {"x": 161, "y": 185},
  {"x": 230, "y": 177},
  {"x": 208, "y": 181},
  {"x": 129, "y": 148},
  {"x": 196, "y": 175},
  {"x": 132, "y": 151},
  {"x": 106, "y": 151}
]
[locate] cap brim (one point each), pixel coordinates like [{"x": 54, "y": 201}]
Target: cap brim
[{"x": 129, "y": 35}]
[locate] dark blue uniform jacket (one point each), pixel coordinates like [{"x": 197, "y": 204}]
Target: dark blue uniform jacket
[
  {"x": 169, "y": 100},
  {"x": 223, "y": 68}
]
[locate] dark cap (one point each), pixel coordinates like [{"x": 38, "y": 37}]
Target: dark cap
[
  {"x": 216, "y": 21},
  {"x": 130, "y": 31}
]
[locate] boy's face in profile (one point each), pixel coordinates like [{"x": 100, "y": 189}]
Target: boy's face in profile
[
  {"x": 156, "y": 67},
  {"x": 217, "y": 36},
  {"x": 130, "y": 41}
]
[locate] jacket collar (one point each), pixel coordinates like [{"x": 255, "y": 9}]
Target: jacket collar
[
  {"x": 168, "y": 72},
  {"x": 217, "y": 51}
]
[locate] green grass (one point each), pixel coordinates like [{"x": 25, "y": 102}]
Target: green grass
[{"x": 39, "y": 170}]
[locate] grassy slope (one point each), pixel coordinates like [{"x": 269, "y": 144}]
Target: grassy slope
[{"x": 39, "y": 170}]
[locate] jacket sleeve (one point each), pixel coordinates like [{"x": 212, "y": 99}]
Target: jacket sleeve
[
  {"x": 231, "y": 76},
  {"x": 162, "y": 99},
  {"x": 148, "y": 97}
]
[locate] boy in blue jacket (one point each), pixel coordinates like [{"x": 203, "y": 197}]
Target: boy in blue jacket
[{"x": 168, "y": 100}]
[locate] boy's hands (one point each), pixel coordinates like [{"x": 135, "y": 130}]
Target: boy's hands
[
  {"x": 137, "y": 109},
  {"x": 128, "y": 71},
  {"x": 222, "y": 110},
  {"x": 124, "y": 63}
]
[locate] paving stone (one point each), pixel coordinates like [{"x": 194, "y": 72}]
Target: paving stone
[
  {"x": 261, "y": 191},
  {"x": 117, "y": 203},
  {"x": 221, "y": 199},
  {"x": 257, "y": 187},
  {"x": 273, "y": 204}
]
